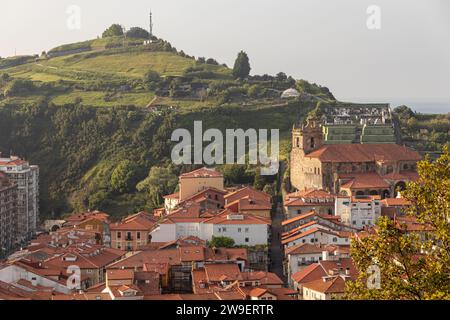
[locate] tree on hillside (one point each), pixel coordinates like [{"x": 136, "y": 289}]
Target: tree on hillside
[
  {"x": 123, "y": 177},
  {"x": 281, "y": 76},
  {"x": 138, "y": 33},
  {"x": 241, "y": 67},
  {"x": 212, "y": 61},
  {"x": 409, "y": 265},
  {"x": 152, "y": 79},
  {"x": 113, "y": 31},
  {"x": 159, "y": 182}
]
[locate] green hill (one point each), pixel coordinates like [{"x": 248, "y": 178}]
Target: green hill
[{"x": 83, "y": 112}]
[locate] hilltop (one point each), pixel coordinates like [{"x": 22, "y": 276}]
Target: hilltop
[{"x": 119, "y": 71}]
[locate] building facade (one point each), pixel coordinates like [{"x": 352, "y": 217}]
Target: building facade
[
  {"x": 349, "y": 169},
  {"x": 26, "y": 177},
  {"x": 8, "y": 214},
  {"x": 360, "y": 211}
]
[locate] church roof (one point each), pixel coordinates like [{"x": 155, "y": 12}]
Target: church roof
[{"x": 364, "y": 153}]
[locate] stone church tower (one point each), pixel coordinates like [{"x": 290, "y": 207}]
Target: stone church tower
[{"x": 306, "y": 139}]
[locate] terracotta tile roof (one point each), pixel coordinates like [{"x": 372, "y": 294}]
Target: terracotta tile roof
[
  {"x": 340, "y": 266},
  {"x": 403, "y": 175},
  {"x": 201, "y": 173},
  {"x": 364, "y": 153},
  {"x": 310, "y": 197},
  {"x": 395, "y": 202},
  {"x": 265, "y": 278},
  {"x": 247, "y": 192},
  {"x": 257, "y": 292},
  {"x": 12, "y": 161},
  {"x": 308, "y": 232},
  {"x": 297, "y": 218},
  {"x": 284, "y": 293},
  {"x": 308, "y": 248},
  {"x": 203, "y": 194},
  {"x": 141, "y": 222},
  {"x": 195, "y": 253},
  {"x": 229, "y": 295},
  {"x": 86, "y": 257},
  {"x": 248, "y": 203},
  {"x": 120, "y": 274},
  {"x": 79, "y": 217},
  {"x": 312, "y": 272},
  {"x": 363, "y": 181},
  {"x": 335, "y": 285},
  {"x": 160, "y": 267},
  {"x": 169, "y": 256},
  {"x": 300, "y": 229},
  {"x": 222, "y": 272},
  {"x": 190, "y": 211},
  {"x": 226, "y": 217}
]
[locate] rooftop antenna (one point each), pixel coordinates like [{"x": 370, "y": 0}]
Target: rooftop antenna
[{"x": 151, "y": 26}]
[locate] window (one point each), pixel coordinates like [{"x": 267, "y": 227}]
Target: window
[
  {"x": 247, "y": 240},
  {"x": 119, "y": 235},
  {"x": 354, "y": 222},
  {"x": 138, "y": 235},
  {"x": 312, "y": 240},
  {"x": 219, "y": 230},
  {"x": 224, "y": 229},
  {"x": 299, "y": 211},
  {"x": 239, "y": 229},
  {"x": 334, "y": 239},
  {"x": 247, "y": 229}
]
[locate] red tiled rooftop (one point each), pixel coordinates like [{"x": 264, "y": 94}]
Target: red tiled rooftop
[{"x": 364, "y": 153}]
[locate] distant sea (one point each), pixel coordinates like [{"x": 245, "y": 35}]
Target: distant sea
[{"x": 426, "y": 107}]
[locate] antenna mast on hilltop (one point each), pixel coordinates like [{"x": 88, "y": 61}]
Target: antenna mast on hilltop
[{"x": 151, "y": 26}]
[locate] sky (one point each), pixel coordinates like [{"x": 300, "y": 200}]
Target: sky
[{"x": 406, "y": 60}]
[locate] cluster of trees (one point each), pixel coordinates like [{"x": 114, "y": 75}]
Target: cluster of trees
[
  {"x": 436, "y": 128},
  {"x": 16, "y": 87},
  {"x": 115, "y": 30}
]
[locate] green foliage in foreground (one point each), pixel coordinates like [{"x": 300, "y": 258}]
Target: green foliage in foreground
[{"x": 413, "y": 266}]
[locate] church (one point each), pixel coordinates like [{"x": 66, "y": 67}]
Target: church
[{"x": 349, "y": 169}]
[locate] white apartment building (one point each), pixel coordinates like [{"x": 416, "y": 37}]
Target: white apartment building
[
  {"x": 359, "y": 211},
  {"x": 26, "y": 177},
  {"x": 243, "y": 229}
]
